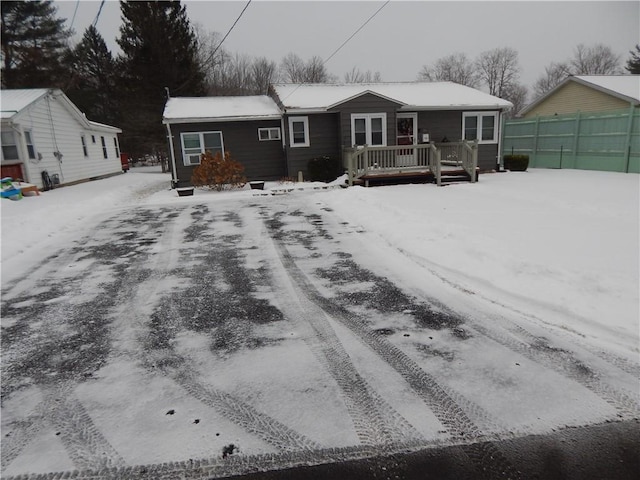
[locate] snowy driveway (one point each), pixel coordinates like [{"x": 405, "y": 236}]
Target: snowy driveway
[{"x": 260, "y": 332}]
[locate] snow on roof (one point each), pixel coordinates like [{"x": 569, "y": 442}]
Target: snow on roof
[
  {"x": 414, "y": 95},
  {"x": 218, "y": 108},
  {"x": 13, "y": 101},
  {"x": 625, "y": 85}
]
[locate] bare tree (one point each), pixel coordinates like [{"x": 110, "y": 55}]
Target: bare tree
[
  {"x": 498, "y": 69},
  {"x": 295, "y": 70},
  {"x": 517, "y": 94},
  {"x": 554, "y": 73},
  {"x": 292, "y": 68},
  {"x": 263, "y": 73},
  {"x": 210, "y": 56},
  {"x": 452, "y": 68},
  {"x": 357, "y": 76},
  {"x": 596, "y": 60}
]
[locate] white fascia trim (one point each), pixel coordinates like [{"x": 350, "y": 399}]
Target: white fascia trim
[{"x": 176, "y": 121}]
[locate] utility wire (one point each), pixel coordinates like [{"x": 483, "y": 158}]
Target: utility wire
[
  {"x": 95, "y": 21},
  {"x": 227, "y": 34},
  {"x": 74, "y": 14},
  {"x": 341, "y": 46},
  {"x": 356, "y": 32}
]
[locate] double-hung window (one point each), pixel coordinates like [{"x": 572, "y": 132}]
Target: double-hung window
[
  {"x": 299, "y": 131},
  {"x": 116, "y": 146},
  {"x": 105, "y": 154},
  {"x": 369, "y": 129},
  {"x": 195, "y": 144},
  {"x": 31, "y": 151},
  {"x": 9, "y": 146},
  {"x": 482, "y": 126},
  {"x": 84, "y": 146}
]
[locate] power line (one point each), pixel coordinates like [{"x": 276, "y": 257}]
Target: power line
[
  {"x": 227, "y": 34},
  {"x": 343, "y": 44},
  {"x": 74, "y": 14},
  {"x": 356, "y": 32},
  {"x": 95, "y": 21}
]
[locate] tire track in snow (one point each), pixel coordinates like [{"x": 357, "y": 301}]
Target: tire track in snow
[
  {"x": 375, "y": 421},
  {"x": 443, "y": 402}
]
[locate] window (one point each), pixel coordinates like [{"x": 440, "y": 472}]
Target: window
[
  {"x": 299, "y": 131},
  {"x": 84, "y": 146},
  {"x": 265, "y": 134},
  {"x": 116, "y": 146},
  {"x": 31, "y": 151},
  {"x": 104, "y": 148},
  {"x": 93, "y": 139},
  {"x": 480, "y": 126},
  {"x": 195, "y": 144},
  {"x": 9, "y": 147},
  {"x": 369, "y": 129}
]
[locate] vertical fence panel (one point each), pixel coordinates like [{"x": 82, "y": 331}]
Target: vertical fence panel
[{"x": 600, "y": 141}]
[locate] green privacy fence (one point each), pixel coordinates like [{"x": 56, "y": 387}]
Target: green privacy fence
[{"x": 596, "y": 141}]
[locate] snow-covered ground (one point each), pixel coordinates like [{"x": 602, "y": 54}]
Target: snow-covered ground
[
  {"x": 562, "y": 245},
  {"x": 541, "y": 266}
]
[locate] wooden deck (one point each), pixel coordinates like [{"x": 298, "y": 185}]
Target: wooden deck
[
  {"x": 448, "y": 162},
  {"x": 416, "y": 176}
]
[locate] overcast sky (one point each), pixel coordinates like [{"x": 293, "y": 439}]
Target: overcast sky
[{"x": 404, "y": 36}]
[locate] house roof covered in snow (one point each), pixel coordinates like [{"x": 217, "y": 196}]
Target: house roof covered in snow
[
  {"x": 411, "y": 95},
  {"x": 624, "y": 87},
  {"x": 15, "y": 101},
  {"x": 201, "y": 109}
]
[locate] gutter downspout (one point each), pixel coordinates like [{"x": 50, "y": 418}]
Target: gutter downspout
[{"x": 174, "y": 173}]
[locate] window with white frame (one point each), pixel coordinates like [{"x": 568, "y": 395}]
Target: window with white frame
[
  {"x": 195, "y": 144},
  {"x": 31, "y": 151},
  {"x": 9, "y": 146},
  {"x": 265, "y": 134},
  {"x": 299, "y": 131},
  {"x": 84, "y": 146},
  {"x": 105, "y": 154},
  {"x": 116, "y": 146},
  {"x": 369, "y": 129},
  {"x": 482, "y": 126}
]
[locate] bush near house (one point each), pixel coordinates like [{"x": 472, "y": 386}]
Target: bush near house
[
  {"x": 324, "y": 169},
  {"x": 218, "y": 173},
  {"x": 516, "y": 163}
]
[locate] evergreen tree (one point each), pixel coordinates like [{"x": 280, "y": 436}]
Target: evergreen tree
[
  {"x": 159, "y": 51},
  {"x": 91, "y": 82},
  {"x": 633, "y": 64},
  {"x": 33, "y": 44}
]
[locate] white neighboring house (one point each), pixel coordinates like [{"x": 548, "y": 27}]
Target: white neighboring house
[{"x": 43, "y": 131}]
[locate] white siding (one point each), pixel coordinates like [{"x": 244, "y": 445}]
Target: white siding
[{"x": 54, "y": 128}]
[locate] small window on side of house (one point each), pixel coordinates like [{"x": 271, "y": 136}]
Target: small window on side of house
[
  {"x": 266, "y": 134},
  {"x": 105, "y": 154},
  {"x": 93, "y": 139},
  {"x": 84, "y": 146},
  {"x": 481, "y": 126},
  {"x": 116, "y": 146},
  {"x": 299, "y": 131},
  {"x": 31, "y": 151}
]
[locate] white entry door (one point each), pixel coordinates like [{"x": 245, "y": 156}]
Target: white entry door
[{"x": 406, "y": 127}]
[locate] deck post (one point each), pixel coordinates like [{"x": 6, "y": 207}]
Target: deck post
[
  {"x": 474, "y": 163},
  {"x": 347, "y": 154}
]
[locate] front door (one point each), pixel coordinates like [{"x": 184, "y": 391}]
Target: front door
[{"x": 406, "y": 124}]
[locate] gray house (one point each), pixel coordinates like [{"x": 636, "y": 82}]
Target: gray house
[{"x": 390, "y": 128}]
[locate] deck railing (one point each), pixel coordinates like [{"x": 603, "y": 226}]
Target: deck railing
[{"x": 368, "y": 161}]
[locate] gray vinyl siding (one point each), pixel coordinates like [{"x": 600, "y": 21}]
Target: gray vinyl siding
[
  {"x": 323, "y": 141},
  {"x": 367, "y": 103},
  {"x": 262, "y": 160},
  {"x": 448, "y": 124}
]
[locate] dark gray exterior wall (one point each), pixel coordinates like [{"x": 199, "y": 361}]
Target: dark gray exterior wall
[
  {"x": 441, "y": 124},
  {"x": 261, "y": 160},
  {"x": 367, "y": 103},
  {"x": 324, "y": 130}
]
